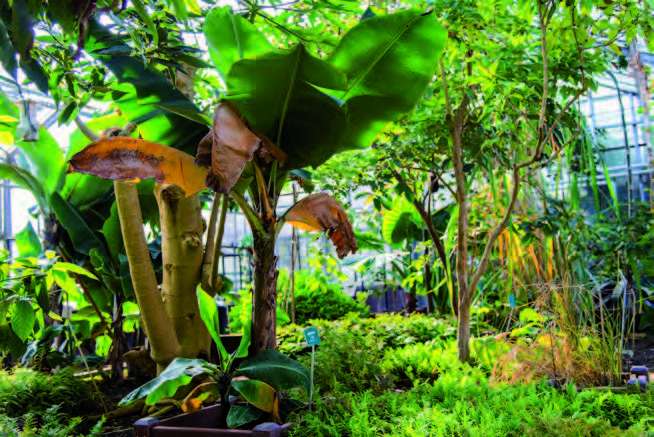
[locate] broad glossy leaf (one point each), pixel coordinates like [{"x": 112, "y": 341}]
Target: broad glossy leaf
[
  {"x": 209, "y": 315},
  {"x": 67, "y": 267},
  {"x": 124, "y": 158},
  {"x": 28, "y": 243},
  {"x": 244, "y": 344},
  {"x": 145, "y": 96},
  {"x": 112, "y": 233},
  {"x": 227, "y": 148},
  {"x": 83, "y": 237},
  {"x": 7, "y": 52},
  {"x": 276, "y": 369},
  {"x": 44, "y": 159},
  {"x": 240, "y": 415},
  {"x": 179, "y": 373},
  {"x": 320, "y": 212},
  {"x": 22, "y": 319},
  {"x": 401, "y": 222},
  {"x": 389, "y": 60},
  {"x": 278, "y": 94},
  {"x": 257, "y": 393},
  {"x": 21, "y": 33},
  {"x": 231, "y": 38},
  {"x": 24, "y": 179}
]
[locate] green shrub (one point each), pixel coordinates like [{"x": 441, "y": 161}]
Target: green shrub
[
  {"x": 352, "y": 349},
  {"x": 317, "y": 296},
  {"x": 241, "y": 312},
  {"x": 463, "y": 403},
  {"x": 422, "y": 362},
  {"x": 400, "y": 376},
  {"x": 26, "y": 391},
  {"x": 50, "y": 424},
  {"x": 393, "y": 330}
]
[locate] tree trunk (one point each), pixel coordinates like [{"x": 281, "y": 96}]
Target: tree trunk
[
  {"x": 161, "y": 335},
  {"x": 118, "y": 340},
  {"x": 265, "y": 290},
  {"x": 464, "y": 300},
  {"x": 412, "y": 302},
  {"x": 463, "y": 329},
  {"x": 182, "y": 253}
]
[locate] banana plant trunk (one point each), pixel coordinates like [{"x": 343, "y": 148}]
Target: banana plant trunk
[
  {"x": 164, "y": 346},
  {"x": 265, "y": 293},
  {"x": 182, "y": 254}
]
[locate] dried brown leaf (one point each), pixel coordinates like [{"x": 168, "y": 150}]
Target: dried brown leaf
[
  {"x": 320, "y": 212},
  {"x": 227, "y": 148},
  {"x": 124, "y": 158}
]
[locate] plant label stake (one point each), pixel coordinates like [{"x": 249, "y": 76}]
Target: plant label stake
[{"x": 312, "y": 338}]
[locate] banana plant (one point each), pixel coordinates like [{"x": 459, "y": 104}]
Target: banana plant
[
  {"x": 257, "y": 381},
  {"x": 283, "y": 110}
]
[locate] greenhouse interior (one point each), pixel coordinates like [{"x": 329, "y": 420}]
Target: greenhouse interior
[{"x": 326, "y": 218}]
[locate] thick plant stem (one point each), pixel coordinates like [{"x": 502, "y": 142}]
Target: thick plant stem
[
  {"x": 181, "y": 248},
  {"x": 207, "y": 259},
  {"x": 157, "y": 326},
  {"x": 217, "y": 250},
  {"x": 265, "y": 290}
]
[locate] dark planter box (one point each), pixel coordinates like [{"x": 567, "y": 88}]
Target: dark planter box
[{"x": 202, "y": 423}]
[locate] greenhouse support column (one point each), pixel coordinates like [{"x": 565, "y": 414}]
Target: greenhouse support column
[
  {"x": 182, "y": 253},
  {"x": 265, "y": 289},
  {"x": 157, "y": 326}
]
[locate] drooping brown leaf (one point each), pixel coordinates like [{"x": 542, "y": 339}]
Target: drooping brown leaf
[
  {"x": 227, "y": 148},
  {"x": 320, "y": 212},
  {"x": 124, "y": 158}
]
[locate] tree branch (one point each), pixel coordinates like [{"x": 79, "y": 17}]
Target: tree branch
[
  {"x": 426, "y": 218},
  {"x": 88, "y": 133},
  {"x": 483, "y": 262},
  {"x": 448, "y": 105}
]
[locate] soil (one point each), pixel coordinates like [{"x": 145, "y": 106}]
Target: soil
[{"x": 114, "y": 392}]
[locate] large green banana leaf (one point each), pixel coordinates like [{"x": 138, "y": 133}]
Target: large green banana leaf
[
  {"x": 279, "y": 95},
  {"x": 389, "y": 61},
  {"x": 312, "y": 108},
  {"x": 231, "y": 38},
  {"x": 44, "y": 159}
]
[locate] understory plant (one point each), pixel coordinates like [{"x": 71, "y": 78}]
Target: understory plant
[{"x": 258, "y": 381}]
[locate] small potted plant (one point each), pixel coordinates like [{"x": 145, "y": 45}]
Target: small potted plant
[{"x": 247, "y": 389}]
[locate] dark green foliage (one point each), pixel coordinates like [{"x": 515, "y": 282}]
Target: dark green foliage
[
  {"x": 392, "y": 330},
  {"x": 464, "y": 404},
  {"x": 26, "y": 391},
  {"x": 317, "y": 297},
  {"x": 400, "y": 376},
  {"x": 352, "y": 350},
  {"x": 51, "y": 424},
  {"x": 312, "y": 108},
  {"x": 156, "y": 120}
]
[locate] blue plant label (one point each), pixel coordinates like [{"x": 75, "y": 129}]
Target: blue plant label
[
  {"x": 312, "y": 336},
  {"x": 512, "y": 302}
]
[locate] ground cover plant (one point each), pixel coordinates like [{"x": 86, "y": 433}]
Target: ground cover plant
[{"x": 445, "y": 162}]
